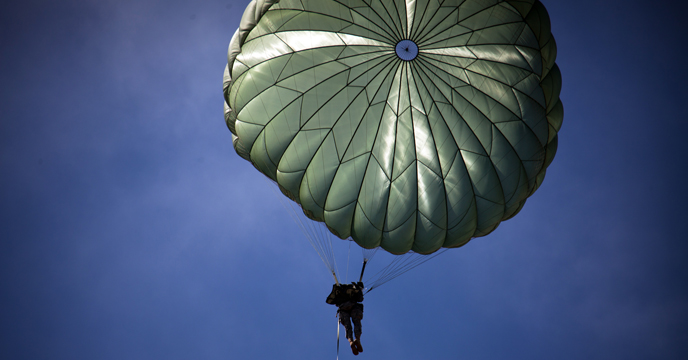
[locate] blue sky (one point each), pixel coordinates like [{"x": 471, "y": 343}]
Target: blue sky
[{"x": 129, "y": 228}]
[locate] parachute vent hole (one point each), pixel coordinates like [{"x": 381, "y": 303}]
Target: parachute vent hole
[{"x": 406, "y": 50}]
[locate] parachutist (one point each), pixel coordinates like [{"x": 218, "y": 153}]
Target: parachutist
[{"x": 348, "y": 298}]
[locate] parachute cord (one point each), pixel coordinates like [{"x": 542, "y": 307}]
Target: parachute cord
[
  {"x": 314, "y": 233},
  {"x": 324, "y": 242},
  {"x": 369, "y": 253},
  {"x": 321, "y": 241},
  {"x": 395, "y": 268},
  {"x": 399, "y": 266}
]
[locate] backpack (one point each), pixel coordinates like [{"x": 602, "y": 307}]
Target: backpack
[{"x": 344, "y": 292}]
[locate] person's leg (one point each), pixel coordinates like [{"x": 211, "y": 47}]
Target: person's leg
[
  {"x": 356, "y": 317},
  {"x": 345, "y": 319}
]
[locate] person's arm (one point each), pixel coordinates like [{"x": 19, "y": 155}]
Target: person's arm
[
  {"x": 358, "y": 295},
  {"x": 333, "y": 295}
]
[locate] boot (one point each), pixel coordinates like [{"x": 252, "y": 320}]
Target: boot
[
  {"x": 357, "y": 343},
  {"x": 354, "y": 349}
]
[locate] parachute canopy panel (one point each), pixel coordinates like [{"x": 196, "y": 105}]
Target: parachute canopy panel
[{"x": 408, "y": 125}]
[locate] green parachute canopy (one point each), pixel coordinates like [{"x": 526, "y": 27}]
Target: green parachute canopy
[{"x": 407, "y": 125}]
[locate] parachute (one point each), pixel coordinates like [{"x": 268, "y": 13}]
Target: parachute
[{"x": 410, "y": 125}]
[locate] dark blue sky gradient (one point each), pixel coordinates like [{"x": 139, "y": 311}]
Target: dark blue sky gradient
[{"x": 129, "y": 228}]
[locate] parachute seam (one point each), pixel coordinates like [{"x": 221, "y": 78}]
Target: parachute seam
[
  {"x": 249, "y": 39},
  {"x": 396, "y": 134},
  {"x": 519, "y": 117},
  {"x": 351, "y": 23},
  {"x": 392, "y": 64},
  {"x": 458, "y": 153},
  {"x": 301, "y": 126},
  {"x": 393, "y": 28},
  {"x": 330, "y": 131},
  {"x": 491, "y": 8},
  {"x": 244, "y": 74},
  {"x": 415, "y": 153},
  {"x": 427, "y": 22},
  {"x": 489, "y": 27},
  {"x": 535, "y": 101},
  {"x": 378, "y": 161},
  {"x": 492, "y": 127},
  {"x": 472, "y": 200},
  {"x": 430, "y": 62},
  {"x": 402, "y": 20},
  {"x": 386, "y": 36},
  {"x": 389, "y": 34},
  {"x": 451, "y": 103},
  {"x": 293, "y": 52},
  {"x": 428, "y": 167},
  {"x": 422, "y": 35},
  {"x": 394, "y": 150},
  {"x": 358, "y": 204},
  {"x": 472, "y": 33},
  {"x": 468, "y": 173},
  {"x": 311, "y": 88},
  {"x": 459, "y": 22},
  {"x": 404, "y": 169},
  {"x": 437, "y": 151},
  {"x": 349, "y": 144},
  {"x": 415, "y": 10},
  {"x": 401, "y": 224},
  {"x": 495, "y": 62}
]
